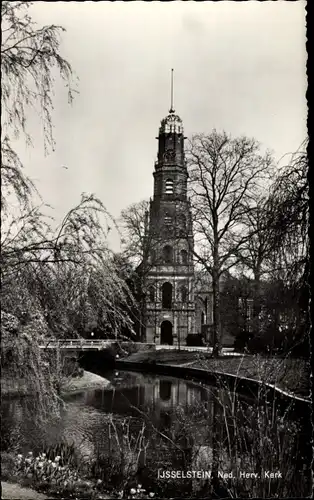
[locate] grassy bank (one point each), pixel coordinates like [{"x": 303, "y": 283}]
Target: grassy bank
[
  {"x": 89, "y": 380},
  {"x": 15, "y": 491},
  {"x": 167, "y": 356},
  {"x": 292, "y": 375},
  {"x": 20, "y": 387}
]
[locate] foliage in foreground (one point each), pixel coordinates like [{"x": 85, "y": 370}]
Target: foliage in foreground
[
  {"x": 22, "y": 360},
  {"x": 234, "y": 433},
  {"x": 59, "y": 477},
  {"x": 58, "y": 280}
]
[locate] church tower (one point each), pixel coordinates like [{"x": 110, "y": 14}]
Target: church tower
[{"x": 170, "y": 308}]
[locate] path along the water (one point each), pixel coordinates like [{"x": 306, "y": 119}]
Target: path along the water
[{"x": 11, "y": 491}]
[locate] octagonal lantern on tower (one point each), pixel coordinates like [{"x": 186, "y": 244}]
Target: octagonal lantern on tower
[{"x": 171, "y": 124}]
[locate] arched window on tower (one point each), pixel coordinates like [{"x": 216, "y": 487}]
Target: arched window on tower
[
  {"x": 151, "y": 294},
  {"x": 168, "y": 254},
  {"x": 166, "y": 294},
  {"x": 169, "y": 186},
  {"x": 184, "y": 294},
  {"x": 184, "y": 257}
]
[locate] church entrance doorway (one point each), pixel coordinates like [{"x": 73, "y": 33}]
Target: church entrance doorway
[{"x": 166, "y": 336}]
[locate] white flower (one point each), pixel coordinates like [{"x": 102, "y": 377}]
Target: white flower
[
  {"x": 133, "y": 491},
  {"x": 53, "y": 465},
  {"x": 20, "y": 456},
  {"x": 30, "y": 452},
  {"x": 43, "y": 455},
  {"x": 49, "y": 462},
  {"x": 151, "y": 494},
  {"x": 40, "y": 464},
  {"x": 139, "y": 486},
  {"x": 57, "y": 458},
  {"x": 28, "y": 460}
]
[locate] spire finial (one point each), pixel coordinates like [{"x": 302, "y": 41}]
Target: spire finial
[{"x": 171, "y": 110}]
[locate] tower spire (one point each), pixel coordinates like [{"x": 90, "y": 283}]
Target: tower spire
[{"x": 171, "y": 110}]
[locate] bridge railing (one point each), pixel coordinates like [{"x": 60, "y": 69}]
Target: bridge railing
[
  {"x": 83, "y": 343},
  {"x": 99, "y": 344},
  {"x": 68, "y": 343}
]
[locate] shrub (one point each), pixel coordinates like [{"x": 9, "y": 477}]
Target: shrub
[
  {"x": 194, "y": 340},
  {"x": 242, "y": 340},
  {"x": 57, "y": 475}
]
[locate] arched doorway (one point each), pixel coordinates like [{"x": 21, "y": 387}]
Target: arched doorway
[{"x": 166, "y": 333}]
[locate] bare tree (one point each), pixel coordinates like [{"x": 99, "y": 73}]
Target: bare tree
[
  {"x": 139, "y": 244},
  {"x": 30, "y": 247},
  {"x": 278, "y": 222},
  {"x": 134, "y": 225},
  {"x": 60, "y": 276},
  {"x": 67, "y": 272},
  {"x": 30, "y": 57},
  {"x": 290, "y": 262},
  {"x": 257, "y": 250},
  {"x": 289, "y": 198},
  {"x": 226, "y": 176},
  {"x": 276, "y": 251}
]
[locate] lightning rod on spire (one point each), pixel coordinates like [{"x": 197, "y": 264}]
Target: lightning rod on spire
[{"x": 171, "y": 107}]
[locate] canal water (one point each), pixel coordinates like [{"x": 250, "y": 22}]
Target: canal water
[{"x": 144, "y": 428}]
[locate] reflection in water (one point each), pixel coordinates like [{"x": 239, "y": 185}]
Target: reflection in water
[
  {"x": 138, "y": 393},
  {"x": 181, "y": 425},
  {"x": 165, "y": 420},
  {"x": 165, "y": 389}
]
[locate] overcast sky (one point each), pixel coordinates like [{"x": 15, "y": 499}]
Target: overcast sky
[{"x": 239, "y": 67}]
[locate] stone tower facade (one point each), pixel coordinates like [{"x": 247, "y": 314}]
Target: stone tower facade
[{"x": 170, "y": 305}]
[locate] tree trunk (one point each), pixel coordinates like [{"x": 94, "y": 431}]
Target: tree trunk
[
  {"x": 143, "y": 310},
  {"x": 141, "y": 301},
  {"x": 257, "y": 301},
  {"x": 143, "y": 320},
  {"x": 216, "y": 305},
  {"x": 215, "y": 437}
]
